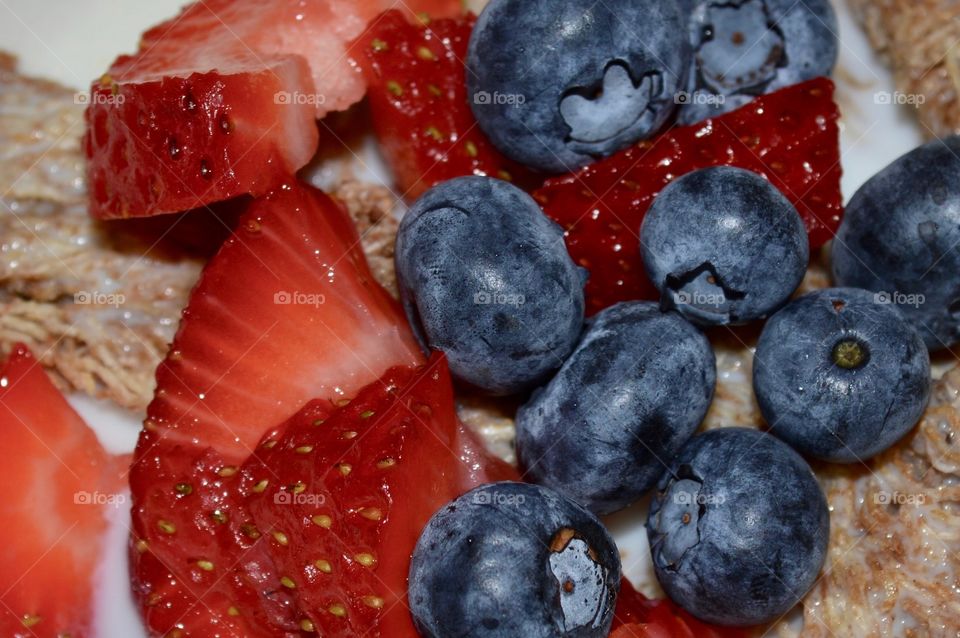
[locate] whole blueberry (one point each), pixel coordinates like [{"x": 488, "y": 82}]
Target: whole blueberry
[
  {"x": 900, "y": 237},
  {"x": 752, "y": 47},
  {"x": 739, "y": 527},
  {"x": 603, "y": 430},
  {"x": 840, "y": 376},
  {"x": 556, "y": 84},
  {"x": 513, "y": 559},
  {"x": 486, "y": 277},
  {"x": 723, "y": 246}
]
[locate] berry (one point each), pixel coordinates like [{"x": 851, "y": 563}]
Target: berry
[
  {"x": 485, "y": 277},
  {"x": 555, "y": 85},
  {"x": 512, "y": 559},
  {"x": 790, "y": 137},
  {"x": 418, "y": 103},
  {"x": 748, "y": 48},
  {"x": 603, "y": 430},
  {"x": 739, "y": 527},
  {"x": 840, "y": 376},
  {"x": 723, "y": 246},
  {"x": 222, "y": 101},
  {"x": 59, "y": 485},
  {"x": 902, "y": 240}
]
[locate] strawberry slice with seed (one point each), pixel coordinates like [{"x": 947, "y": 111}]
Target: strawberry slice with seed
[
  {"x": 59, "y": 485},
  {"x": 222, "y": 100},
  {"x": 344, "y": 495},
  {"x": 418, "y": 99}
]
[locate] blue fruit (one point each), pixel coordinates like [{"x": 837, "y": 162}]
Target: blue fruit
[
  {"x": 900, "y": 236},
  {"x": 840, "y": 376},
  {"x": 747, "y": 48},
  {"x": 739, "y": 527},
  {"x": 556, "y": 84},
  {"x": 723, "y": 246},
  {"x": 603, "y": 430},
  {"x": 513, "y": 559},
  {"x": 486, "y": 277}
]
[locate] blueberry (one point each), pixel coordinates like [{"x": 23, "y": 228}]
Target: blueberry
[
  {"x": 723, "y": 246},
  {"x": 839, "y": 376},
  {"x": 556, "y": 84},
  {"x": 739, "y": 527},
  {"x": 513, "y": 559},
  {"x": 486, "y": 277},
  {"x": 747, "y": 48},
  {"x": 603, "y": 430},
  {"x": 900, "y": 237}
]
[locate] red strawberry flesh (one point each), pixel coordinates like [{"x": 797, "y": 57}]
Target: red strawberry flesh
[
  {"x": 640, "y": 617},
  {"x": 58, "y": 483},
  {"x": 418, "y": 100},
  {"x": 790, "y": 136},
  {"x": 221, "y": 100}
]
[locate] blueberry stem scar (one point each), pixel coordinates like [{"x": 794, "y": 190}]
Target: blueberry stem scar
[{"x": 850, "y": 354}]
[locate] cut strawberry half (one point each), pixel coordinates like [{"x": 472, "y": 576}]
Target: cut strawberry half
[
  {"x": 58, "y": 483},
  {"x": 640, "y": 617},
  {"x": 285, "y": 313},
  {"x": 418, "y": 99},
  {"x": 343, "y": 497},
  {"x": 221, "y": 101},
  {"x": 790, "y": 136}
]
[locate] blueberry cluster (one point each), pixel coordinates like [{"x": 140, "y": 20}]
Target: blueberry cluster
[{"x": 611, "y": 405}]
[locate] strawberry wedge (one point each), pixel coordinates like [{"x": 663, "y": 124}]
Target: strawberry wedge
[
  {"x": 58, "y": 483},
  {"x": 222, "y": 100},
  {"x": 418, "y": 100},
  {"x": 790, "y": 136},
  {"x": 285, "y": 314}
]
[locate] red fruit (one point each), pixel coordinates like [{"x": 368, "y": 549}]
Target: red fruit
[
  {"x": 418, "y": 99},
  {"x": 790, "y": 136},
  {"x": 58, "y": 484},
  {"x": 221, "y": 100},
  {"x": 640, "y": 617},
  {"x": 343, "y": 498},
  {"x": 286, "y": 312}
]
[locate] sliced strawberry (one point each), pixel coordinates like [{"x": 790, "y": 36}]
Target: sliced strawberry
[
  {"x": 790, "y": 136},
  {"x": 640, "y": 617},
  {"x": 343, "y": 497},
  {"x": 286, "y": 312},
  {"x": 221, "y": 100},
  {"x": 58, "y": 483},
  {"x": 418, "y": 99}
]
